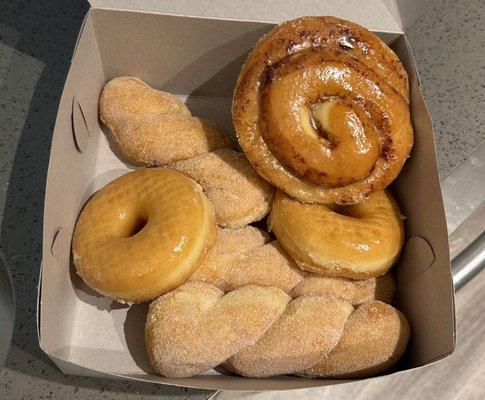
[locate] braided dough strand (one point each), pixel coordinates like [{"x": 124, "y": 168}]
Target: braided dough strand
[
  {"x": 243, "y": 256},
  {"x": 258, "y": 331},
  {"x": 374, "y": 338},
  {"x": 196, "y": 327},
  {"x": 309, "y": 329}
]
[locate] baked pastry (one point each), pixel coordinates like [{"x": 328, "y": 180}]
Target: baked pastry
[
  {"x": 358, "y": 241},
  {"x": 309, "y": 328},
  {"x": 258, "y": 331},
  {"x": 196, "y": 327},
  {"x": 374, "y": 338},
  {"x": 320, "y": 109},
  {"x": 153, "y": 128},
  {"x": 128, "y": 97},
  {"x": 143, "y": 234},
  {"x": 238, "y": 194},
  {"x": 246, "y": 256},
  {"x": 355, "y": 291},
  {"x": 242, "y": 257}
]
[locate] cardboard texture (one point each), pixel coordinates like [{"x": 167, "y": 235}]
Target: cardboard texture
[
  {"x": 377, "y": 15},
  {"x": 199, "y": 59}
]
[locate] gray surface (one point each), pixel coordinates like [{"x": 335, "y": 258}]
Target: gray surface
[
  {"x": 36, "y": 41},
  {"x": 7, "y": 311},
  {"x": 447, "y": 42}
]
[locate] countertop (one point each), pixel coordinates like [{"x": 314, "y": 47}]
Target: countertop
[{"x": 36, "y": 42}]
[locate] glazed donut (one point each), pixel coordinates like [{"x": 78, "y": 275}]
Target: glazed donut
[
  {"x": 320, "y": 109},
  {"x": 245, "y": 256},
  {"x": 358, "y": 241},
  {"x": 258, "y": 331},
  {"x": 238, "y": 194},
  {"x": 143, "y": 234},
  {"x": 153, "y": 128}
]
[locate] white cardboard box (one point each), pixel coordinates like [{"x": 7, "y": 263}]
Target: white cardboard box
[{"x": 195, "y": 50}]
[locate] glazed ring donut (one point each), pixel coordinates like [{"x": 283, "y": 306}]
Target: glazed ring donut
[
  {"x": 143, "y": 234},
  {"x": 358, "y": 241},
  {"x": 320, "y": 109}
]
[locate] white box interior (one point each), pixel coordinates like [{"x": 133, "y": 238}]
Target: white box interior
[{"x": 199, "y": 59}]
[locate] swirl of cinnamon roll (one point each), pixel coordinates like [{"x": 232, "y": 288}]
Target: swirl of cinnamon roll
[{"x": 321, "y": 111}]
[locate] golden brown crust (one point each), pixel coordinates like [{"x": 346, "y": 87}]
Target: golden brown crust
[
  {"x": 128, "y": 97},
  {"x": 238, "y": 194},
  {"x": 158, "y": 209},
  {"x": 320, "y": 113},
  {"x": 309, "y": 329},
  {"x": 245, "y": 256},
  {"x": 355, "y": 291},
  {"x": 359, "y": 241},
  {"x": 196, "y": 327},
  {"x": 153, "y": 128},
  {"x": 258, "y": 331},
  {"x": 229, "y": 265},
  {"x": 374, "y": 338}
]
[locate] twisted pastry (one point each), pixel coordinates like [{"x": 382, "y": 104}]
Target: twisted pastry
[
  {"x": 150, "y": 127},
  {"x": 195, "y": 327},
  {"x": 374, "y": 338},
  {"x": 259, "y": 331},
  {"x": 245, "y": 256},
  {"x": 320, "y": 109},
  {"x": 237, "y": 193}
]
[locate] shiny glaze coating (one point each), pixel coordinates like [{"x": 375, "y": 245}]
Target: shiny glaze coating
[
  {"x": 358, "y": 241},
  {"x": 143, "y": 234},
  {"x": 321, "y": 111}
]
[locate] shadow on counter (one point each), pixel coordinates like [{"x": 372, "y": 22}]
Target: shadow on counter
[{"x": 45, "y": 31}]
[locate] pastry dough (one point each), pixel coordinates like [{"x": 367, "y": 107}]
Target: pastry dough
[
  {"x": 150, "y": 127},
  {"x": 359, "y": 241},
  {"x": 320, "y": 109},
  {"x": 143, "y": 234},
  {"x": 237, "y": 193}
]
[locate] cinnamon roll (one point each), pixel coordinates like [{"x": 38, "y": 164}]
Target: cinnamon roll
[{"x": 321, "y": 111}]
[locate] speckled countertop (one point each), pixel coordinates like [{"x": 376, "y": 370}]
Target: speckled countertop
[{"x": 36, "y": 41}]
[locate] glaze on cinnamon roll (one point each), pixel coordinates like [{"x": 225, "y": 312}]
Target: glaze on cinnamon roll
[{"x": 321, "y": 111}]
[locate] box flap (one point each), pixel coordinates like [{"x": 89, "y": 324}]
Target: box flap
[
  {"x": 377, "y": 15},
  {"x": 409, "y": 10}
]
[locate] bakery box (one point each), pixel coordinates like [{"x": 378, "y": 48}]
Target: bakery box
[{"x": 195, "y": 50}]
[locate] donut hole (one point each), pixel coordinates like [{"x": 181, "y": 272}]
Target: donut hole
[
  {"x": 133, "y": 226},
  {"x": 138, "y": 226},
  {"x": 348, "y": 211}
]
